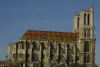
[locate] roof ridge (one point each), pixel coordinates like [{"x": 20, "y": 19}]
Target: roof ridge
[
  {"x": 49, "y": 31},
  {"x": 51, "y": 35}
]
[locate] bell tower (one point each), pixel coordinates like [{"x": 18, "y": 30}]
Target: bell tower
[
  {"x": 84, "y": 26},
  {"x": 76, "y": 22}
]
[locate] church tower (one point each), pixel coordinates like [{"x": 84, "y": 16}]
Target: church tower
[
  {"x": 76, "y": 22},
  {"x": 84, "y": 26}
]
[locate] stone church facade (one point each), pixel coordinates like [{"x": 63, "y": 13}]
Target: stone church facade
[{"x": 37, "y": 48}]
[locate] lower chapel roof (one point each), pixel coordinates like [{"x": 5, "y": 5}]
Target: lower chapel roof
[{"x": 49, "y": 35}]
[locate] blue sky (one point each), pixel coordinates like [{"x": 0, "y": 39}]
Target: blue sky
[{"x": 17, "y": 16}]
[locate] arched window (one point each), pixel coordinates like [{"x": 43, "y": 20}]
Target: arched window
[
  {"x": 88, "y": 22},
  {"x": 85, "y": 19},
  {"x": 21, "y": 45}
]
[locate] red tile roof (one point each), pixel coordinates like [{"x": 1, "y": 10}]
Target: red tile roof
[{"x": 49, "y": 35}]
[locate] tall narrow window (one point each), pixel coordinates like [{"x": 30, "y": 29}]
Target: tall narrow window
[
  {"x": 85, "y": 19},
  {"x": 86, "y": 44},
  {"x": 51, "y": 47},
  {"x": 78, "y": 22},
  {"x": 85, "y": 58},
  {"x": 88, "y": 33},
  {"x": 88, "y": 59},
  {"x": 22, "y": 45},
  {"x": 88, "y": 22},
  {"x": 59, "y": 47},
  {"x": 85, "y": 33}
]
